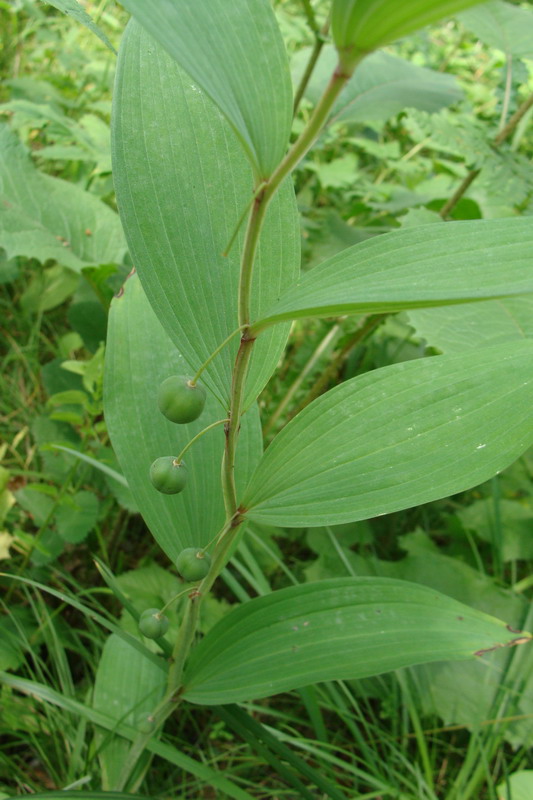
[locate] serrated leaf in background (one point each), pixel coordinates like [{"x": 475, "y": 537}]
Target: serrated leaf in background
[{"x": 48, "y": 218}]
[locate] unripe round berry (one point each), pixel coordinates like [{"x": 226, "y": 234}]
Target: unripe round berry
[
  {"x": 193, "y": 564},
  {"x": 152, "y": 624},
  {"x": 179, "y": 400},
  {"x": 168, "y": 475}
]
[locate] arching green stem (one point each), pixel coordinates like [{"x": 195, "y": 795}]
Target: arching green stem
[
  {"x": 215, "y": 353},
  {"x": 198, "y": 436}
]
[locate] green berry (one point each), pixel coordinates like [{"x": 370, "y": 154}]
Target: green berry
[
  {"x": 168, "y": 475},
  {"x": 152, "y": 624},
  {"x": 180, "y": 400},
  {"x": 193, "y": 564}
]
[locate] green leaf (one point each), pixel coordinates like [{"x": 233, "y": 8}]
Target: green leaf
[
  {"x": 48, "y": 289},
  {"x": 77, "y": 516},
  {"x": 397, "y": 437},
  {"x": 139, "y": 356},
  {"x": 454, "y": 329},
  {"x": 360, "y": 26},
  {"x": 17, "y": 631},
  {"x": 382, "y": 86},
  {"x": 182, "y": 185},
  {"x": 73, "y": 9},
  {"x": 415, "y": 267},
  {"x": 47, "y": 218},
  {"x": 235, "y": 53},
  {"x": 127, "y": 688},
  {"x": 339, "y": 629},
  {"x": 520, "y": 786},
  {"x": 502, "y": 25}
]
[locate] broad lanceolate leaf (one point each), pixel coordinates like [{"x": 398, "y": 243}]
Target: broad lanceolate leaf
[
  {"x": 381, "y": 86},
  {"x": 397, "y": 437},
  {"x": 454, "y": 329},
  {"x": 127, "y": 687},
  {"x": 415, "y": 268},
  {"x": 47, "y": 218},
  {"x": 139, "y": 356},
  {"x": 182, "y": 185},
  {"x": 337, "y": 629},
  {"x": 360, "y": 26},
  {"x": 74, "y": 10},
  {"x": 235, "y": 53}
]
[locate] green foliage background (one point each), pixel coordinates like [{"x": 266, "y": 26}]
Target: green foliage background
[{"x": 439, "y": 731}]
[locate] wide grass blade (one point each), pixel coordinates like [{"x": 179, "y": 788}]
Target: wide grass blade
[
  {"x": 73, "y": 9},
  {"x": 167, "y": 752}
]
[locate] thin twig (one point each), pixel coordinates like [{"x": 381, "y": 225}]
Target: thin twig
[
  {"x": 320, "y": 40},
  {"x": 504, "y": 134}
]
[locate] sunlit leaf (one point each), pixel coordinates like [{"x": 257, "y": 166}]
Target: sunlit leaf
[{"x": 127, "y": 688}]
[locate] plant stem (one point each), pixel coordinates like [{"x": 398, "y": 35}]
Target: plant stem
[
  {"x": 320, "y": 40},
  {"x": 262, "y": 197},
  {"x": 182, "y": 646},
  {"x": 215, "y": 353},
  {"x": 257, "y": 215},
  {"x": 313, "y": 128},
  {"x": 504, "y": 134},
  {"x": 198, "y": 436}
]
